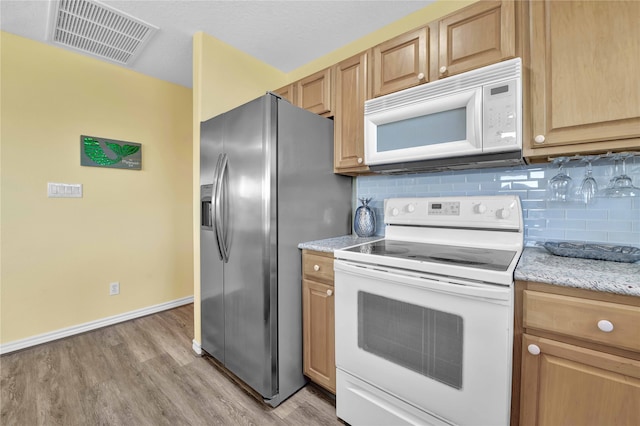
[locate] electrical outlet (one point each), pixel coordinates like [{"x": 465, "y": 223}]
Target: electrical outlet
[{"x": 114, "y": 288}]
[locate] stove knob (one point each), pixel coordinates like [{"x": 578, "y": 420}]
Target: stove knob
[
  {"x": 503, "y": 213},
  {"x": 411, "y": 208},
  {"x": 394, "y": 212},
  {"x": 480, "y": 208}
]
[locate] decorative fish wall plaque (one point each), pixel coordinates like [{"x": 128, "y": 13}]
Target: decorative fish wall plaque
[{"x": 101, "y": 152}]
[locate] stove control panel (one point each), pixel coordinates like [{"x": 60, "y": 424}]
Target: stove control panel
[
  {"x": 486, "y": 212},
  {"x": 451, "y": 208}
]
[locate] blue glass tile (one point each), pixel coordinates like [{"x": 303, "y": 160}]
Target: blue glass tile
[
  {"x": 588, "y": 214},
  {"x": 586, "y": 236},
  {"x": 600, "y": 221}
]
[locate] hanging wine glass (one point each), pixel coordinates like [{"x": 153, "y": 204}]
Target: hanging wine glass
[
  {"x": 589, "y": 186},
  {"x": 560, "y": 184},
  {"x": 622, "y": 185}
]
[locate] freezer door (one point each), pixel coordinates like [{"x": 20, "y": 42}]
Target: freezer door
[
  {"x": 211, "y": 267},
  {"x": 250, "y": 274}
]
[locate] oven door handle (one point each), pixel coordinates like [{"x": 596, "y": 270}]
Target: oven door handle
[{"x": 492, "y": 292}]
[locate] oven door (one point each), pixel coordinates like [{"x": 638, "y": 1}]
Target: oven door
[{"x": 444, "y": 347}]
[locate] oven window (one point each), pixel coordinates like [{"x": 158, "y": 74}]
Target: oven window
[
  {"x": 432, "y": 129},
  {"x": 424, "y": 340}
]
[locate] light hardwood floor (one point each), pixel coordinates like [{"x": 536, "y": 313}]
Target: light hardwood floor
[{"x": 140, "y": 372}]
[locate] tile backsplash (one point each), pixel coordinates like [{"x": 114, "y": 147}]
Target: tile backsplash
[{"x": 604, "y": 220}]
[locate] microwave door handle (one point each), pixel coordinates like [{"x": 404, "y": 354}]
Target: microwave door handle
[{"x": 477, "y": 117}]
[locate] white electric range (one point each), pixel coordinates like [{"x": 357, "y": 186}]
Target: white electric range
[{"x": 424, "y": 316}]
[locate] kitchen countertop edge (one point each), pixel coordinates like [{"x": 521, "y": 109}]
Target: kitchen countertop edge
[
  {"x": 538, "y": 265},
  {"x": 329, "y": 245}
]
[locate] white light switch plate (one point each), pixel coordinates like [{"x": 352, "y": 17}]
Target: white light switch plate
[{"x": 64, "y": 190}]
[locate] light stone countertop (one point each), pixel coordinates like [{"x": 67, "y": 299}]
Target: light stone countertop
[
  {"x": 330, "y": 244},
  {"x": 538, "y": 265}
]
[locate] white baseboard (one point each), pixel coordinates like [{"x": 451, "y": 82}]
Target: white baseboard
[
  {"x": 92, "y": 325},
  {"x": 196, "y": 347}
]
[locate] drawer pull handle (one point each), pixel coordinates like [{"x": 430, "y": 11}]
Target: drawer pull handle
[
  {"x": 533, "y": 349},
  {"x": 316, "y": 268},
  {"x": 329, "y": 292},
  {"x": 606, "y": 326}
]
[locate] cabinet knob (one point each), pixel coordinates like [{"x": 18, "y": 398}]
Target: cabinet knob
[
  {"x": 329, "y": 292},
  {"x": 539, "y": 139},
  {"x": 360, "y": 160},
  {"x": 316, "y": 268},
  {"x": 421, "y": 76},
  {"x": 443, "y": 69},
  {"x": 533, "y": 349},
  {"x": 606, "y": 326}
]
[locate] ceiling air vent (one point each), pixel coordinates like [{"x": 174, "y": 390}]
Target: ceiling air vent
[{"x": 98, "y": 30}]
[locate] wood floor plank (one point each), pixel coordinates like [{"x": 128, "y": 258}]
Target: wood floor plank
[
  {"x": 161, "y": 332},
  {"x": 140, "y": 372},
  {"x": 57, "y": 394},
  {"x": 238, "y": 406},
  {"x": 18, "y": 389}
]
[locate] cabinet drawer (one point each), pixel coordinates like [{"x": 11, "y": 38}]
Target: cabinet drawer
[
  {"x": 318, "y": 267},
  {"x": 583, "y": 319}
]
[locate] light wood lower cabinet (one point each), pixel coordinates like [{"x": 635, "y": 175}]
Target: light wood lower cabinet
[
  {"x": 580, "y": 356},
  {"x": 318, "y": 319},
  {"x": 571, "y": 385}
]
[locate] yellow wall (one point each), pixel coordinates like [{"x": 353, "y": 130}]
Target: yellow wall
[
  {"x": 58, "y": 256},
  {"x": 224, "y": 77}
]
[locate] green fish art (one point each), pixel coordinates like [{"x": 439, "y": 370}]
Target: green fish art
[{"x": 95, "y": 153}]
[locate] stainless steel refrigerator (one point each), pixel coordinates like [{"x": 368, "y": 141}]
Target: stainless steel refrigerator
[{"x": 267, "y": 184}]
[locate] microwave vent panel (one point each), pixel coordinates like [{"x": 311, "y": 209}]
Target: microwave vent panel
[
  {"x": 98, "y": 30},
  {"x": 501, "y": 71}
]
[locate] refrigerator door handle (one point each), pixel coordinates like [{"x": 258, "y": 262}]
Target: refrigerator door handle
[
  {"x": 224, "y": 254},
  {"x": 216, "y": 204}
]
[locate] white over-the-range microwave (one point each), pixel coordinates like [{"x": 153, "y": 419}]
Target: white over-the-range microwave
[{"x": 469, "y": 120}]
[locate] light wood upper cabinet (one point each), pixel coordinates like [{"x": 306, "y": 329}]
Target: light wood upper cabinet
[
  {"x": 478, "y": 35},
  {"x": 585, "y": 59},
  {"x": 401, "y": 62},
  {"x": 318, "y": 319},
  {"x": 287, "y": 92},
  {"x": 351, "y": 90},
  {"x": 579, "y": 355},
  {"x": 313, "y": 93}
]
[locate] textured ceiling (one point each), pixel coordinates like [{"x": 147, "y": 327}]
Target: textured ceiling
[{"x": 284, "y": 34}]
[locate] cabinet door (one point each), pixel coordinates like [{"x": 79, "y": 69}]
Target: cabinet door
[
  {"x": 313, "y": 93},
  {"x": 481, "y": 34},
  {"x": 401, "y": 62},
  {"x": 287, "y": 92},
  {"x": 351, "y": 91},
  {"x": 570, "y": 385},
  {"x": 319, "y": 334},
  {"x": 584, "y": 68}
]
